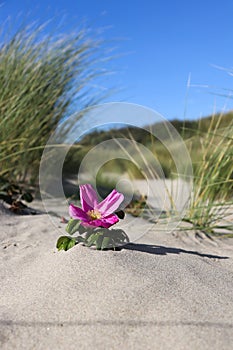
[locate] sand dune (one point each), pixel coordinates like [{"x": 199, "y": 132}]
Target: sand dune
[{"x": 166, "y": 291}]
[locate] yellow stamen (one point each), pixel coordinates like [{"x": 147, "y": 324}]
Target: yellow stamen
[{"x": 94, "y": 214}]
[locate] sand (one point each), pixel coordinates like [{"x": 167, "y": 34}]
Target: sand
[{"x": 166, "y": 291}]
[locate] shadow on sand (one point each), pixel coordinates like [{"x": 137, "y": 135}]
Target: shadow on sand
[{"x": 161, "y": 250}]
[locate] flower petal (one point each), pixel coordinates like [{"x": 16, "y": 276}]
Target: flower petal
[
  {"x": 105, "y": 222},
  {"x": 92, "y": 223},
  {"x": 88, "y": 197},
  {"x": 109, "y": 220},
  {"x": 110, "y": 203},
  {"x": 77, "y": 213},
  {"x": 86, "y": 224}
]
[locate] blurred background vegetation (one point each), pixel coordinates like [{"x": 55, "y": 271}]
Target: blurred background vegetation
[
  {"x": 43, "y": 78},
  {"x": 194, "y": 134}
]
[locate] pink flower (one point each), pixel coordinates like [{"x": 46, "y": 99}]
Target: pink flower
[{"x": 94, "y": 214}]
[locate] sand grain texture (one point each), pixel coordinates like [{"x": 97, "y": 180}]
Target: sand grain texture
[{"x": 168, "y": 291}]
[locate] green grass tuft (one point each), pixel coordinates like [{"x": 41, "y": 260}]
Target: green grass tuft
[{"x": 40, "y": 78}]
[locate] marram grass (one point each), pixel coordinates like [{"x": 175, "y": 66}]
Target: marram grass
[
  {"x": 40, "y": 76},
  {"x": 211, "y": 149},
  {"x": 212, "y": 198}
]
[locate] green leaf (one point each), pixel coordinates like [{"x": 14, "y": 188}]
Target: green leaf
[
  {"x": 80, "y": 239},
  {"x": 27, "y": 197},
  {"x": 92, "y": 239},
  {"x": 72, "y": 226},
  {"x": 82, "y": 229},
  {"x": 99, "y": 241},
  {"x": 105, "y": 243},
  {"x": 65, "y": 243}
]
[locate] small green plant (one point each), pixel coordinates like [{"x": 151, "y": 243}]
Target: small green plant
[
  {"x": 101, "y": 238},
  {"x": 93, "y": 220}
]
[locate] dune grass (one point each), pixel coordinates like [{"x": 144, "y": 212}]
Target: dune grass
[
  {"x": 212, "y": 198},
  {"x": 210, "y": 143},
  {"x": 40, "y": 76}
]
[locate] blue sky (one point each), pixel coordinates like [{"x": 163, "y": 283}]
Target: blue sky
[{"x": 162, "y": 43}]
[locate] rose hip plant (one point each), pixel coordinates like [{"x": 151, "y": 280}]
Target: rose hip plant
[{"x": 93, "y": 220}]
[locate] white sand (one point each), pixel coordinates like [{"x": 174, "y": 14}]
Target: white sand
[{"x": 173, "y": 292}]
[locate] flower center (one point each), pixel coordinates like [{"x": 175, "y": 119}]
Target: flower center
[{"x": 94, "y": 214}]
